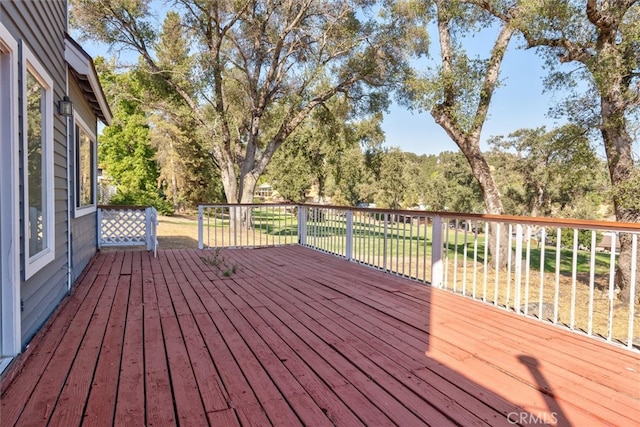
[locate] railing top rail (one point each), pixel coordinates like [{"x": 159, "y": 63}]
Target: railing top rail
[
  {"x": 513, "y": 219},
  {"x": 249, "y": 205},
  {"x": 119, "y": 207},
  {"x": 541, "y": 221}
]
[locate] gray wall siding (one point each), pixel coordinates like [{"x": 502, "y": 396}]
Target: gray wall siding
[
  {"x": 41, "y": 26},
  {"x": 84, "y": 242},
  {"x": 81, "y": 106},
  {"x": 84, "y": 232}
]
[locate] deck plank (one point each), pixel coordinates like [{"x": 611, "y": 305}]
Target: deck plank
[
  {"x": 204, "y": 371},
  {"x": 187, "y": 399},
  {"x": 291, "y": 336},
  {"x": 41, "y": 402},
  {"x": 130, "y": 400},
  {"x": 330, "y": 344},
  {"x": 159, "y": 409},
  {"x": 69, "y": 408},
  {"x": 104, "y": 390},
  {"x": 33, "y": 362}
]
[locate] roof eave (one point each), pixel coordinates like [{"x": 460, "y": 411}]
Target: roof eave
[{"x": 82, "y": 64}]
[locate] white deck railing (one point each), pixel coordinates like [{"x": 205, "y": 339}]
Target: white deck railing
[
  {"x": 128, "y": 226},
  {"x": 247, "y": 225},
  {"x": 555, "y": 270}
]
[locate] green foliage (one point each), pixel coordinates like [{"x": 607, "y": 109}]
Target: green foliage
[
  {"x": 352, "y": 181},
  {"x": 143, "y": 198},
  {"x": 584, "y": 238},
  {"x": 249, "y": 73},
  {"x": 398, "y": 184},
  {"x": 125, "y": 154},
  {"x": 220, "y": 263},
  {"x": 627, "y": 193},
  {"x": 325, "y": 152},
  {"x": 124, "y": 150},
  {"x": 290, "y": 171},
  {"x": 547, "y": 173}
]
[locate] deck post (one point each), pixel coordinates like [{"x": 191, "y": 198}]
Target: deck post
[
  {"x": 200, "y": 227},
  {"x": 302, "y": 225},
  {"x": 349, "y": 236},
  {"x": 518, "y": 269},
  {"x": 99, "y": 228},
  {"x": 147, "y": 226},
  {"x": 152, "y": 230},
  {"x": 384, "y": 242},
  {"x": 437, "y": 270}
]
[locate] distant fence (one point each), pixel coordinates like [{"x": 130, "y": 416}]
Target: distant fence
[
  {"x": 558, "y": 271},
  {"x": 128, "y": 226}
]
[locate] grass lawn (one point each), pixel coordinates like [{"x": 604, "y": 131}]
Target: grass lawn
[{"x": 402, "y": 239}]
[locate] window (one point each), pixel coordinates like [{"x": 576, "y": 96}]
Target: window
[
  {"x": 85, "y": 172},
  {"x": 37, "y": 99}
]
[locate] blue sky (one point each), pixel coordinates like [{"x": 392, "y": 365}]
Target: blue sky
[{"x": 518, "y": 103}]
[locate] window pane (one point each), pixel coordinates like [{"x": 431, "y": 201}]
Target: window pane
[
  {"x": 85, "y": 168},
  {"x": 35, "y": 165}
]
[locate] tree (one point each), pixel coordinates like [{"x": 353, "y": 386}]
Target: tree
[
  {"x": 554, "y": 169},
  {"x": 290, "y": 170},
  {"x": 458, "y": 92},
  {"x": 187, "y": 173},
  {"x": 124, "y": 150},
  {"x": 601, "y": 39},
  {"x": 355, "y": 167},
  {"x": 323, "y": 151},
  {"x": 187, "y": 176},
  {"x": 257, "y": 68},
  {"x": 350, "y": 179},
  {"x": 392, "y": 183}
]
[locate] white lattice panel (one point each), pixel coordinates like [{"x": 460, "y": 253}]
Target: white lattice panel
[{"x": 123, "y": 227}]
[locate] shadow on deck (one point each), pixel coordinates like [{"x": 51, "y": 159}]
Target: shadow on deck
[{"x": 289, "y": 336}]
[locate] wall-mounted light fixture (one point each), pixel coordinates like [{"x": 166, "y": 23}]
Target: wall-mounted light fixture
[{"x": 65, "y": 107}]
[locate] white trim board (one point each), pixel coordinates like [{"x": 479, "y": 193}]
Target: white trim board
[
  {"x": 84, "y": 210},
  {"x": 10, "y": 321},
  {"x": 35, "y": 263}
]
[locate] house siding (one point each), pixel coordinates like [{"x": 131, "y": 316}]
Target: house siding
[
  {"x": 84, "y": 230},
  {"x": 41, "y": 26},
  {"x": 84, "y": 242}
]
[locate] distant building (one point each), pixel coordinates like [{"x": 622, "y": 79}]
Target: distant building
[
  {"x": 606, "y": 243},
  {"x": 263, "y": 191}
]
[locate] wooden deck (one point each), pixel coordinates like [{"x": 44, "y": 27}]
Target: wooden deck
[{"x": 288, "y": 336}]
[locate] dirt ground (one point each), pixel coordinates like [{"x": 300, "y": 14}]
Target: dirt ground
[{"x": 177, "y": 232}]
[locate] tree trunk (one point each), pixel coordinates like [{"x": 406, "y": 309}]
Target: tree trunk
[
  {"x": 623, "y": 269},
  {"x": 447, "y": 112},
  {"x": 230, "y": 184},
  {"x": 322, "y": 179},
  {"x": 246, "y": 197},
  {"x": 238, "y": 194},
  {"x": 492, "y": 200},
  {"x": 618, "y": 145}
]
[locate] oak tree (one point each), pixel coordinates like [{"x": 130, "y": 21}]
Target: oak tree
[
  {"x": 256, "y": 69},
  {"x": 599, "y": 38}
]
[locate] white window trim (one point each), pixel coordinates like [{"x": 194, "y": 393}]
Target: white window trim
[
  {"x": 10, "y": 344},
  {"x": 84, "y": 210},
  {"x": 35, "y": 263}
]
